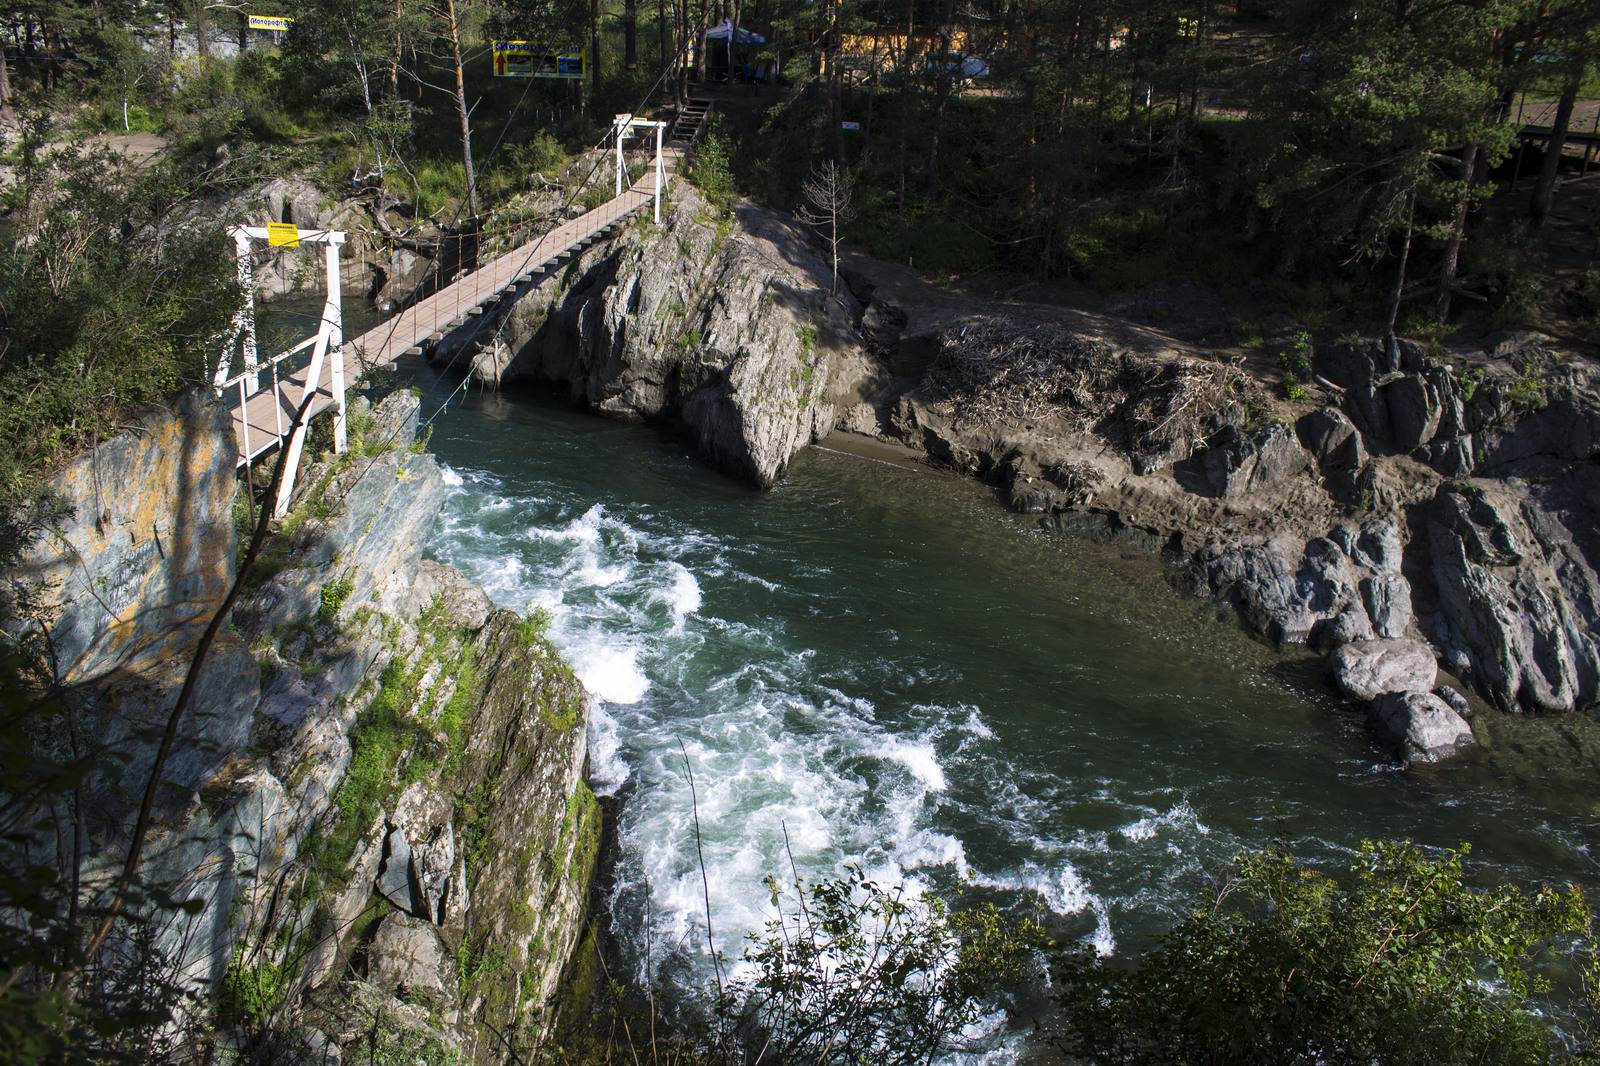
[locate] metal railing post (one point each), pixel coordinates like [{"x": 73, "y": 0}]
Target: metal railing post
[
  {"x": 659, "y": 171},
  {"x": 621, "y": 125},
  {"x": 333, "y": 324}
]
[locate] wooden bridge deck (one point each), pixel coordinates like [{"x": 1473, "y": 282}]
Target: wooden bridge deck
[{"x": 260, "y": 421}]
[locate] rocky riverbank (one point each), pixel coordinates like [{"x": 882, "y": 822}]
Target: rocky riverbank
[
  {"x": 375, "y": 828},
  {"x": 1444, "y": 501},
  {"x": 1447, "y": 500}
]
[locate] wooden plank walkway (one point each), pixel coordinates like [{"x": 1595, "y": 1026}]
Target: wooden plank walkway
[{"x": 259, "y": 422}]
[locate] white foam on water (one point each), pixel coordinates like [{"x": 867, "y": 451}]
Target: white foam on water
[
  {"x": 1181, "y": 816},
  {"x": 974, "y": 725},
  {"x": 611, "y": 672},
  {"x": 449, "y": 476},
  {"x": 608, "y": 771},
  {"x": 920, "y": 759},
  {"x": 684, "y": 596}
]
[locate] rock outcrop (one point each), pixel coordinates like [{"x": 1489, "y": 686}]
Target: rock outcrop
[
  {"x": 723, "y": 326},
  {"x": 369, "y": 729},
  {"x": 1406, "y": 495}
]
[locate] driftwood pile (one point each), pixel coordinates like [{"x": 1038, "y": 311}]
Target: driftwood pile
[{"x": 990, "y": 370}]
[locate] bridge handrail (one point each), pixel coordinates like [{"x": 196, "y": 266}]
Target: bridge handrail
[{"x": 259, "y": 367}]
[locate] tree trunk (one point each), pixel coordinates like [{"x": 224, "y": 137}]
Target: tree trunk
[
  {"x": 399, "y": 51},
  {"x": 7, "y": 116},
  {"x": 941, "y": 94},
  {"x": 1452, "y": 248},
  {"x": 702, "y": 23},
  {"x": 630, "y": 35},
  {"x": 1400, "y": 275},
  {"x": 1030, "y": 102},
  {"x": 594, "y": 46},
  {"x": 461, "y": 108},
  {"x": 905, "y": 121},
  {"x": 1544, "y": 189},
  {"x": 202, "y": 40},
  {"x": 830, "y": 59}
]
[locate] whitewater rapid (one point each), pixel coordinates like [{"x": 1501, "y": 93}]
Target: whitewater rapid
[{"x": 795, "y": 770}]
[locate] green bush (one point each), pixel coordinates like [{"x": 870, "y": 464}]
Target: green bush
[
  {"x": 334, "y": 593},
  {"x": 708, "y": 168},
  {"x": 1583, "y": 300},
  {"x": 99, "y": 316},
  {"x": 1404, "y": 963},
  {"x": 534, "y": 626}
]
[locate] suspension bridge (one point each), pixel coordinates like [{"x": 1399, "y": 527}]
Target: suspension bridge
[{"x": 264, "y": 410}]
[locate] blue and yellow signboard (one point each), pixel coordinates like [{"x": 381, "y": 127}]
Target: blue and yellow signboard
[
  {"x": 270, "y": 22},
  {"x": 519, "y": 59}
]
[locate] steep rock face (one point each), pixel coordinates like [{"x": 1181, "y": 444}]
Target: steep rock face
[
  {"x": 126, "y": 583},
  {"x": 368, "y": 727},
  {"x": 724, "y": 326},
  {"x": 533, "y": 830},
  {"x": 1511, "y": 599}
]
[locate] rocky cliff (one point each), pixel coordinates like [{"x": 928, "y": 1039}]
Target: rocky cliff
[
  {"x": 376, "y": 815},
  {"x": 1448, "y": 501},
  {"x": 723, "y": 325}
]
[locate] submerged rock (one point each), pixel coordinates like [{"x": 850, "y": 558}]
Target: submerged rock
[
  {"x": 1424, "y": 727},
  {"x": 1367, "y": 669}
]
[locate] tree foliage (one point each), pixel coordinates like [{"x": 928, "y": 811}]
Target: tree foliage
[
  {"x": 860, "y": 972},
  {"x": 109, "y": 302},
  {"x": 1406, "y": 963}
]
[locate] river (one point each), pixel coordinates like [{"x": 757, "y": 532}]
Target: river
[{"x": 880, "y": 666}]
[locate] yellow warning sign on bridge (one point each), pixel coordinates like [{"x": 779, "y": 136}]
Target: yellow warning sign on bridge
[{"x": 283, "y": 235}]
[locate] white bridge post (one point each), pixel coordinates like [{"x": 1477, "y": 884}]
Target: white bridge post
[
  {"x": 621, "y": 129},
  {"x": 244, "y": 321},
  {"x": 333, "y": 322},
  {"x": 659, "y": 171},
  {"x": 330, "y": 339},
  {"x": 328, "y": 344}
]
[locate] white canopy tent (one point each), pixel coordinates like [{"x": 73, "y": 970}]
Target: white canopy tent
[{"x": 726, "y": 31}]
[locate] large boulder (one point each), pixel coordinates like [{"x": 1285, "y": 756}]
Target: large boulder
[
  {"x": 1413, "y": 407},
  {"x": 1333, "y": 441},
  {"x": 420, "y": 859},
  {"x": 1293, "y": 593},
  {"x": 1248, "y": 462},
  {"x": 1367, "y": 669},
  {"x": 407, "y": 958},
  {"x": 1423, "y": 727}
]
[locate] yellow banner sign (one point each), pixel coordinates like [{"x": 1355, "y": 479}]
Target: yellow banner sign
[
  {"x": 283, "y": 235},
  {"x": 270, "y": 22}
]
